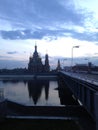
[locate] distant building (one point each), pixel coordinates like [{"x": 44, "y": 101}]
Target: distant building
[
  {"x": 84, "y": 67},
  {"x": 58, "y": 68},
  {"x": 35, "y": 64}
]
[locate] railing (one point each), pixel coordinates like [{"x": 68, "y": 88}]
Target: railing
[
  {"x": 3, "y": 105},
  {"x": 1, "y": 94},
  {"x": 85, "y": 92}
]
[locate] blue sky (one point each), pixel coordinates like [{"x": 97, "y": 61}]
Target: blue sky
[{"x": 55, "y": 25}]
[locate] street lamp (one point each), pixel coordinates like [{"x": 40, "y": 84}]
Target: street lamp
[{"x": 72, "y": 55}]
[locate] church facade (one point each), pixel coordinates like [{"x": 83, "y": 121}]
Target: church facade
[{"x": 35, "y": 64}]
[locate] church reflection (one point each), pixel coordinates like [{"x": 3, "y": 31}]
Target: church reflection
[{"x": 35, "y": 88}]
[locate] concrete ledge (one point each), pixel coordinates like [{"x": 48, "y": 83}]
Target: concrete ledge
[
  {"x": 26, "y": 77},
  {"x": 42, "y": 117}
]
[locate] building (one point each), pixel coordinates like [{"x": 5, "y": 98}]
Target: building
[
  {"x": 35, "y": 64},
  {"x": 58, "y": 68},
  {"x": 83, "y": 67}
]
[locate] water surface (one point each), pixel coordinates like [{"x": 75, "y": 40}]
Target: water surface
[{"x": 35, "y": 92}]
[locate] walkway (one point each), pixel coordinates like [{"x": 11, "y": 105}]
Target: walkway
[{"x": 90, "y": 78}]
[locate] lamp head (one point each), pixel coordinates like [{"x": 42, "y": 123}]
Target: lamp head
[{"x": 76, "y": 46}]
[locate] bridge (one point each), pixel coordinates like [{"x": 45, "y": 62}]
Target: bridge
[{"x": 84, "y": 87}]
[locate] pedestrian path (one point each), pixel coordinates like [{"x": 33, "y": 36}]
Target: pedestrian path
[{"x": 90, "y": 78}]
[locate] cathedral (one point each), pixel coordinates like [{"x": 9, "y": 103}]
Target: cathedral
[{"x": 35, "y": 64}]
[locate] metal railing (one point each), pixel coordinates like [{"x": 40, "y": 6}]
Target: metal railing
[
  {"x": 85, "y": 92},
  {"x": 1, "y": 94}
]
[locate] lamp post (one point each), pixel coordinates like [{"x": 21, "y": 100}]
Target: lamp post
[{"x": 72, "y": 55}]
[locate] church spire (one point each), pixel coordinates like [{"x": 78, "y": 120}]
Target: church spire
[
  {"x": 58, "y": 66},
  {"x": 35, "y": 47},
  {"x": 47, "y": 67},
  {"x": 35, "y": 54}
]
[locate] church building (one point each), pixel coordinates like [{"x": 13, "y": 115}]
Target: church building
[{"x": 35, "y": 64}]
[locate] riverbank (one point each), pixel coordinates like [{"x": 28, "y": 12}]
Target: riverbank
[{"x": 26, "y": 77}]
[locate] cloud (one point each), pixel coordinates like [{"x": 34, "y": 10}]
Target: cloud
[
  {"x": 12, "y": 52},
  {"x": 37, "y": 19},
  {"x": 49, "y": 34},
  {"x": 86, "y": 36},
  {"x": 22, "y": 34},
  {"x": 55, "y": 11},
  {"x": 40, "y": 13}
]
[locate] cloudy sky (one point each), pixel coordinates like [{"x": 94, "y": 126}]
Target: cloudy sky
[{"x": 54, "y": 25}]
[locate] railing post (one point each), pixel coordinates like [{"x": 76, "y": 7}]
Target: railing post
[
  {"x": 3, "y": 105},
  {"x": 96, "y": 109}
]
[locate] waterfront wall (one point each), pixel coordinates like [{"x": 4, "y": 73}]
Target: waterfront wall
[{"x": 28, "y": 77}]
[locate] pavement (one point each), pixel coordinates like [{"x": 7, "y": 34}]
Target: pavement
[{"x": 90, "y": 78}]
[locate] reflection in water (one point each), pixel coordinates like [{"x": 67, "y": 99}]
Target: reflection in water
[
  {"x": 31, "y": 92},
  {"x": 41, "y": 92},
  {"x": 35, "y": 88},
  {"x": 46, "y": 90}
]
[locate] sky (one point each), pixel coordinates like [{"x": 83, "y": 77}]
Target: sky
[{"x": 56, "y": 26}]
